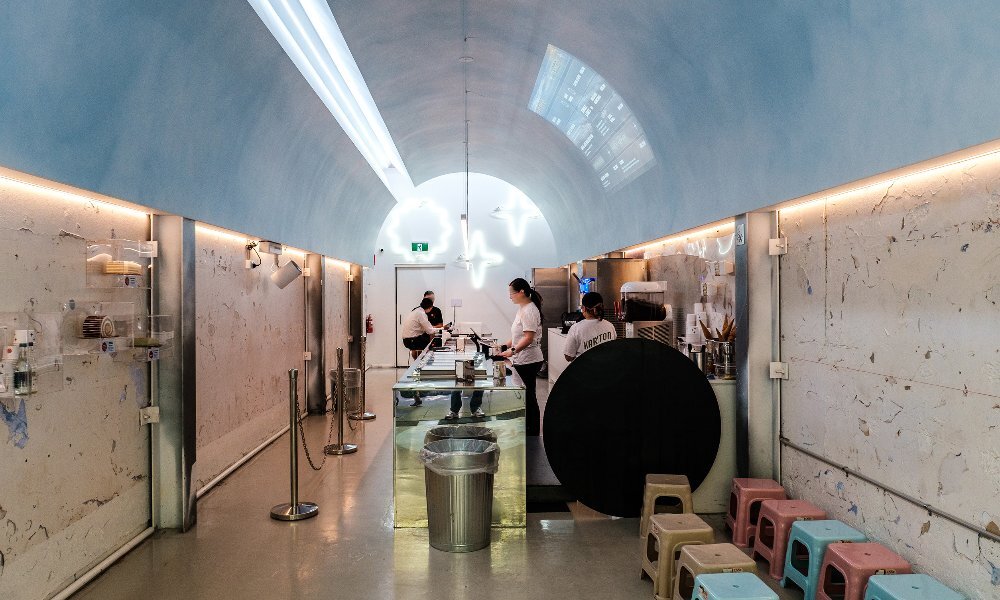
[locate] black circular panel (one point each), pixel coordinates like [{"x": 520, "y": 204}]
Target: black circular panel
[{"x": 624, "y": 409}]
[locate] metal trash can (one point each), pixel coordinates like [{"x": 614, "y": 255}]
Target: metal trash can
[
  {"x": 458, "y": 474},
  {"x": 460, "y": 432},
  {"x": 352, "y": 390}
]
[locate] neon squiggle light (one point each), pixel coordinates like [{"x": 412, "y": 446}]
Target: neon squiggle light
[
  {"x": 517, "y": 211},
  {"x": 442, "y": 227},
  {"x": 478, "y": 259}
]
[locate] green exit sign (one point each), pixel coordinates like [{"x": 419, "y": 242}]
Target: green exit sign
[{"x": 419, "y": 247}]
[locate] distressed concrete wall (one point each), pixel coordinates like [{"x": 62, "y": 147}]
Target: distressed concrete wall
[
  {"x": 74, "y": 463},
  {"x": 249, "y": 333},
  {"x": 890, "y": 325}
]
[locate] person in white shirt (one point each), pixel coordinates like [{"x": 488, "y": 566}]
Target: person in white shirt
[
  {"x": 525, "y": 346},
  {"x": 417, "y": 330},
  {"x": 592, "y": 330}
]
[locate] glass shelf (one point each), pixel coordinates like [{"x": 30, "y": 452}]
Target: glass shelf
[{"x": 119, "y": 263}]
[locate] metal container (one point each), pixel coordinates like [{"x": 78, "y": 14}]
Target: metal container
[
  {"x": 458, "y": 475},
  {"x": 460, "y": 432},
  {"x": 697, "y": 354}
]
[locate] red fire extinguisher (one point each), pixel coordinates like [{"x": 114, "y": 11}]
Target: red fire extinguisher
[{"x": 369, "y": 324}]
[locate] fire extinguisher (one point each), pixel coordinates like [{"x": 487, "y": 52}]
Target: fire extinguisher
[{"x": 369, "y": 324}]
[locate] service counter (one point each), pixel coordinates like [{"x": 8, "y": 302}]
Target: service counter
[{"x": 503, "y": 405}]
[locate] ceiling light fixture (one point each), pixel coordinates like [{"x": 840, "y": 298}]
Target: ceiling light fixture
[{"x": 309, "y": 34}]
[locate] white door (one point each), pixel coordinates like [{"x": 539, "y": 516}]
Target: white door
[{"x": 411, "y": 283}]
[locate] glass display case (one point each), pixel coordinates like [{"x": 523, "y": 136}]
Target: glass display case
[
  {"x": 31, "y": 359},
  {"x": 423, "y": 398},
  {"x": 98, "y": 327},
  {"x": 119, "y": 263}
]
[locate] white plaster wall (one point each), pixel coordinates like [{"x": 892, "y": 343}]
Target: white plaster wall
[
  {"x": 249, "y": 334},
  {"x": 890, "y": 326},
  {"x": 79, "y": 487},
  {"x": 438, "y": 224}
]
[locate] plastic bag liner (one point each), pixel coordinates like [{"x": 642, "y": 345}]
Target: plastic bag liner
[
  {"x": 464, "y": 432},
  {"x": 461, "y": 457}
]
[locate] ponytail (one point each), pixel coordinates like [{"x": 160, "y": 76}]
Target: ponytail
[{"x": 521, "y": 285}]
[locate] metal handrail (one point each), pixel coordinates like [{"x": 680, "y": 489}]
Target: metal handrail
[{"x": 931, "y": 510}]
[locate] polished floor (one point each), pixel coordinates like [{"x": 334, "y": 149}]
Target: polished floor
[{"x": 350, "y": 549}]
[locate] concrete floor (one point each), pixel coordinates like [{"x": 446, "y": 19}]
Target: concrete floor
[{"x": 350, "y": 549}]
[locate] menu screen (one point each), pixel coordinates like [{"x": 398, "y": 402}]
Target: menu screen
[{"x": 577, "y": 100}]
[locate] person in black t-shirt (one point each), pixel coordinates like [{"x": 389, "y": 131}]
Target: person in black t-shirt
[{"x": 435, "y": 315}]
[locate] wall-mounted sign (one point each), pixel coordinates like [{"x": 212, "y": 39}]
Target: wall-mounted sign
[{"x": 420, "y": 246}]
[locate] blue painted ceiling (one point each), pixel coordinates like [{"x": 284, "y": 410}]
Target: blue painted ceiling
[{"x": 192, "y": 107}]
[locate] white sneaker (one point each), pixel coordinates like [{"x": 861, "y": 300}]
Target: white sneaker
[
  {"x": 451, "y": 415},
  {"x": 479, "y": 413}
]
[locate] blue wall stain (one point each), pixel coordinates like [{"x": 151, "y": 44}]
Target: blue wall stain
[
  {"x": 853, "y": 509},
  {"x": 17, "y": 424},
  {"x": 995, "y": 579},
  {"x": 840, "y": 486},
  {"x": 809, "y": 287}
]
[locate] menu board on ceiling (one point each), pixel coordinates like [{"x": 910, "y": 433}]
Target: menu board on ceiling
[{"x": 577, "y": 100}]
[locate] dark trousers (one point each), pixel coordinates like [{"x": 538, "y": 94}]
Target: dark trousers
[
  {"x": 474, "y": 403},
  {"x": 528, "y": 374}
]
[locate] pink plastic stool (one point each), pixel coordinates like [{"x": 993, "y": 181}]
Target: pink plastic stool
[
  {"x": 847, "y": 567},
  {"x": 744, "y": 506},
  {"x": 773, "y": 527}
]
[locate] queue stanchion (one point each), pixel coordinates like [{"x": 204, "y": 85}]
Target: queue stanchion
[
  {"x": 294, "y": 510},
  {"x": 340, "y": 447},
  {"x": 362, "y": 414}
]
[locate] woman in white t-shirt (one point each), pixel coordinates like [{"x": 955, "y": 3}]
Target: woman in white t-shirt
[
  {"x": 592, "y": 330},
  {"x": 525, "y": 346}
]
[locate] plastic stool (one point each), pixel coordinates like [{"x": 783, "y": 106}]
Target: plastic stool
[
  {"x": 698, "y": 560},
  {"x": 731, "y": 586},
  {"x": 776, "y": 518},
  {"x": 744, "y": 503},
  {"x": 847, "y": 567},
  {"x": 909, "y": 587},
  {"x": 663, "y": 486},
  {"x": 667, "y": 533},
  {"x": 807, "y": 542}
]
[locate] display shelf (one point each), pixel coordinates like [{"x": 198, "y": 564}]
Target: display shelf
[
  {"x": 31, "y": 359},
  {"x": 119, "y": 263},
  {"x": 99, "y": 327},
  {"x": 154, "y": 331}
]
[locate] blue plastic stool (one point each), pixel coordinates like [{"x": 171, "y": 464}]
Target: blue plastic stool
[
  {"x": 909, "y": 587},
  {"x": 814, "y": 537},
  {"x": 731, "y": 586}
]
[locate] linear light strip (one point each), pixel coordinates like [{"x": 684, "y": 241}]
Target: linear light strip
[
  {"x": 67, "y": 195},
  {"x": 309, "y": 35}
]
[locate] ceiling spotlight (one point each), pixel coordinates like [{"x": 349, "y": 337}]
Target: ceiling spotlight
[{"x": 465, "y": 59}]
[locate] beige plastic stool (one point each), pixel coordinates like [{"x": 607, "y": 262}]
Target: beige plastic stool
[
  {"x": 697, "y": 560},
  {"x": 663, "y": 486},
  {"x": 667, "y": 533}
]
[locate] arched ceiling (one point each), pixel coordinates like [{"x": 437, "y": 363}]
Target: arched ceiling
[
  {"x": 745, "y": 104},
  {"x": 193, "y": 108}
]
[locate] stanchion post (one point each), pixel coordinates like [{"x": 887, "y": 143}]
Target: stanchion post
[
  {"x": 363, "y": 414},
  {"x": 340, "y": 447},
  {"x": 294, "y": 510}
]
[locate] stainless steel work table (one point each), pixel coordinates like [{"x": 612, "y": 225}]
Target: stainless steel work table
[{"x": 505, "y": 415}]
